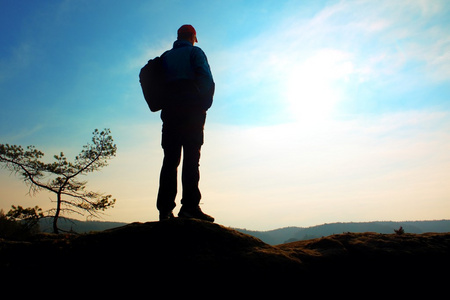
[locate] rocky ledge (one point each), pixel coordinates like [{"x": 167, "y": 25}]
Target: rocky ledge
[{"x": 193, "y": 249}]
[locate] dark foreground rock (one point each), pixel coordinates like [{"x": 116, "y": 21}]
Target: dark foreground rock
[{"x": 184, "y": 250}]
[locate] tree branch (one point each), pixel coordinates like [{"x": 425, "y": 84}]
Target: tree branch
[{"x": 27, "y": 174}]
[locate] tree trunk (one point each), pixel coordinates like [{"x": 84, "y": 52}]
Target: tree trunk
[{"x": 58, "y": 209}]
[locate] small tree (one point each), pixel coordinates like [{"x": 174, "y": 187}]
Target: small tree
[
  {"x": 28, "y": 217},
  {"x": 61, "y": 177}
]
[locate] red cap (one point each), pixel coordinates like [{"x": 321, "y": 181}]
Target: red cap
[{"x": 187, "y": 29}]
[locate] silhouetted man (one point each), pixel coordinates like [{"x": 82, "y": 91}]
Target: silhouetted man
[{"x": 190, "y": 89}]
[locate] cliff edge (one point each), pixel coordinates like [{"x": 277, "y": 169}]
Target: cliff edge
[{"x": 191, "y": 249}]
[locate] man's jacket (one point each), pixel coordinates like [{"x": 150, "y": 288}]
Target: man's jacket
[{"x": 188, "y": 75}]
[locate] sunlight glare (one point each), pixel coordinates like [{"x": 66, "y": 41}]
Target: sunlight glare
[{"x": 311, "y": 90}]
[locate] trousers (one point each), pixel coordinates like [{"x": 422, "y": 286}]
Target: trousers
[{"x": 182, "y": 132}]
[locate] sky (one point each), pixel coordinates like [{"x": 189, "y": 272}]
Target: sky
[{"x": 324, "y": 111}]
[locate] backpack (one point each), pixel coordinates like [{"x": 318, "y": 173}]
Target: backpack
[{"x": 152, "y": 79}]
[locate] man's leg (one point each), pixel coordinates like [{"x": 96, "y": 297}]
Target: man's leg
[
  {"x": 191, "y": 176},
  {"x": 190, "y": 179},
  {"x": 168, "y": 179}
]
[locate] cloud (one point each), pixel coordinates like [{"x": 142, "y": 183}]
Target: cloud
[
  {"x": 22, "y": 135},
  {"x": 309, "y": 65},
  {"x": 436, "y": 54},
  {"x": 391, "y": 166},
  {"x": 19, "y": 59},
  {"x": 347, "y": 170},
  {"x": 146, "y": 51}
]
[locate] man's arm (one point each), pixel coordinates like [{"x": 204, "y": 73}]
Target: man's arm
[{"x": 203, "y": 77}]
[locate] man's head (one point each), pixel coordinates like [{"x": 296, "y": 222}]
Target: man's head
[{"x": 188, "y": 33}]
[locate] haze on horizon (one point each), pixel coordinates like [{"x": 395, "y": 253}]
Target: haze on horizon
[{"x": 325, "y": 111}]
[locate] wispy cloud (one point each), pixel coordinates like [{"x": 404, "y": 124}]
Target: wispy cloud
[
  {"x": 294, "y": 171},
  {"x": 19, "y": 58},
  {"x": 146, "y": 51},
  {"x": 310, "y": 64},
  {"x": 23, "y": 135}
]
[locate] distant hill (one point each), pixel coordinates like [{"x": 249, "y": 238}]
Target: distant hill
[
  {"x": 77, "y": 226},
  {"x": 281, "y": 235},
  {"x": 291, "y": 234}
]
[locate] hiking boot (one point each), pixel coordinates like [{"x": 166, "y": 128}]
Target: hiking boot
[
  {"x": 166, "y": 216},
  {"x": 194, "y": 213}
]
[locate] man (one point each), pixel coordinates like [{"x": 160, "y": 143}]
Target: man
[{"x": 190, "y": 90}]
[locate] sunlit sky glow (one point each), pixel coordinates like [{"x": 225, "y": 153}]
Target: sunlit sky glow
[{"x": 325, "y": 111}]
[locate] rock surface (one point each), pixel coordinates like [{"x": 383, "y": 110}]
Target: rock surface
[{"x": 183, "y": 250}]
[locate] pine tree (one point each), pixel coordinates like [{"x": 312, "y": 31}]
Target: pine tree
[{"x": 61, "y": 176}]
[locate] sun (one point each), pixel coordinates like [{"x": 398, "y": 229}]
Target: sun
[
  {"x": 312, "y": 88},
  {"x": 310, "y": 99}
]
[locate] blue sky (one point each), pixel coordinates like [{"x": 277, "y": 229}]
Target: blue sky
[{"x": 324, "y": 111}]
